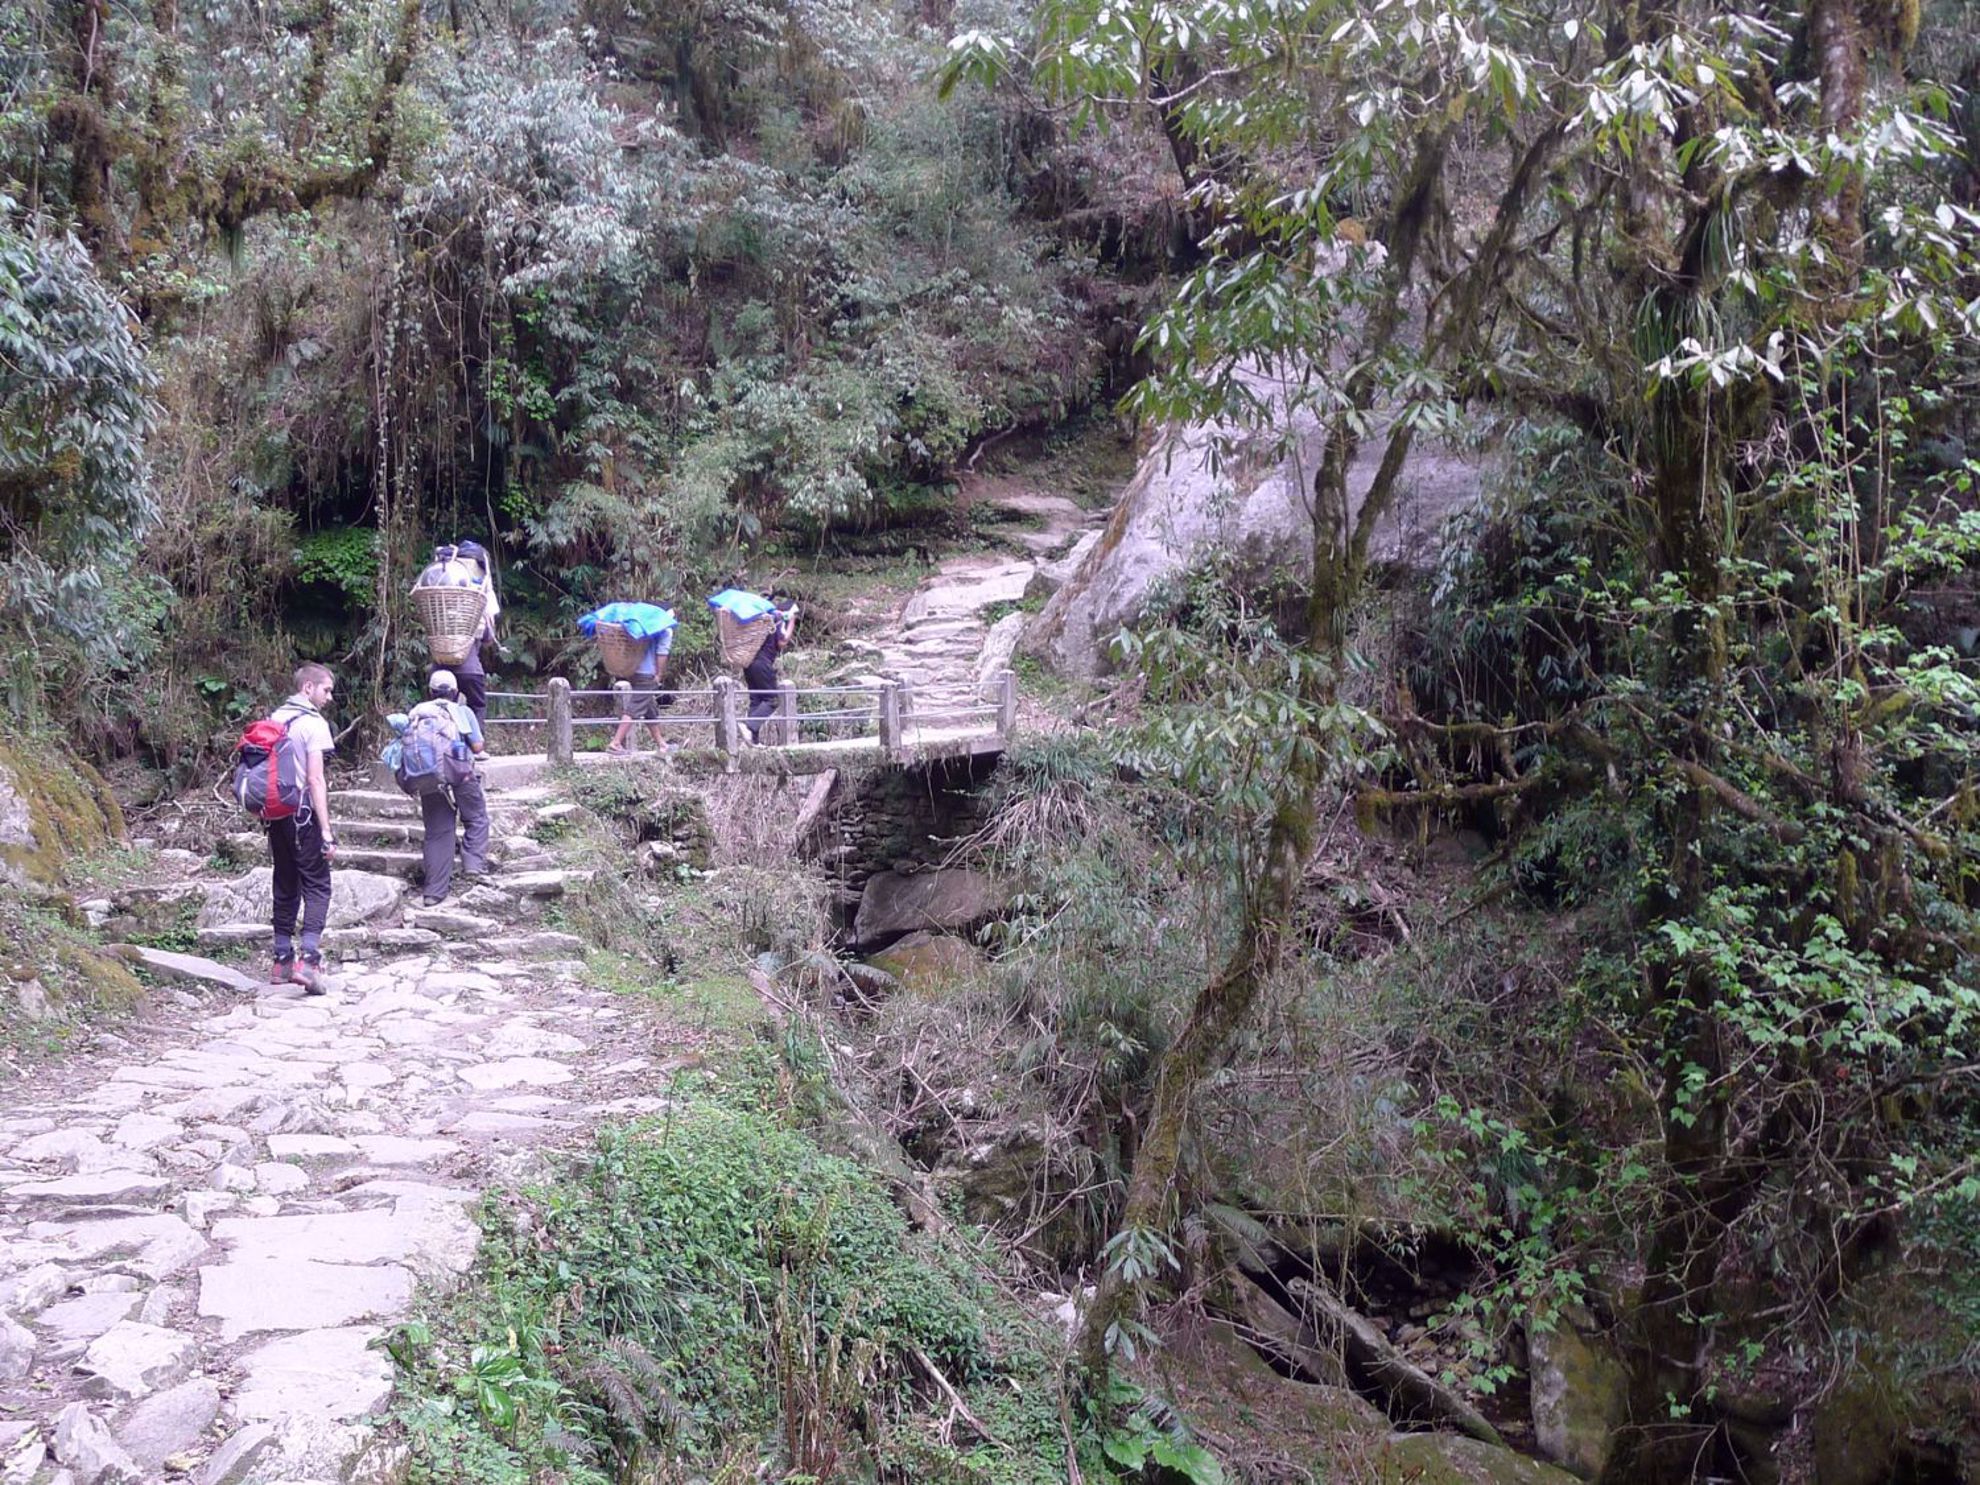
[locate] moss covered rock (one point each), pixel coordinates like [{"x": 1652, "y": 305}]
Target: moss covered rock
[
  {"x": 1243, "y": 1410},
  {"x": 928, "y": 961},
  {"x": 1859, "y": 1431},
  {"x": 53, "y": 809},
  {"x": 1580, "y": 1394},
  {"x": 1449, "y": 1459}
]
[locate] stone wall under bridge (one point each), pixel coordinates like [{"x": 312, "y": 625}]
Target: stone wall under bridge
[{"x": 885, "y": 835}]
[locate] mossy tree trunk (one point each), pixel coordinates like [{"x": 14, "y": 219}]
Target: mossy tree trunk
[
  {"x": 1340, "y": 536},
  {"x": 1717, "y": 1163}
]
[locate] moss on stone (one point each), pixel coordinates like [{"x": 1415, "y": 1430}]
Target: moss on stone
[
  {"x": 53, "y": 809},
  {"x": 929, "y": 963},
  {"x": 1446, "y": 1459}
]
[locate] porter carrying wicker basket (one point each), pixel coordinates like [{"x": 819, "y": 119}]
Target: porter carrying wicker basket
[
  {"x": 452, "y": 618},
  {"x": 740, "y": 640},
  {"x": 623, "y": 655}
]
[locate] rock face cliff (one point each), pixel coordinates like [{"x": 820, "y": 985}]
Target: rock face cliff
[{"x": 1200, "y": 491}]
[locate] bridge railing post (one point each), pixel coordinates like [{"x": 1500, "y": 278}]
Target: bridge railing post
[
  {"x": 728, "y": 735},
  {"x": 787, "y": 724},
  {"x": 1006, "y": 703},
  {"x": 890, "y": 718},
  {"x": 561, "y": 747}
]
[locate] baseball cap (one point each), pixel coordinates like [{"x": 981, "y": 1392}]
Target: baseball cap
[{"x": 442, "y": 680}]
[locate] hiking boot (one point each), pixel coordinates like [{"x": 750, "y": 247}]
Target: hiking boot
[
  {"x": 308, "y": 974},
  {"x": 433, "y": 901},
  {"x": 281, "y": 971}
]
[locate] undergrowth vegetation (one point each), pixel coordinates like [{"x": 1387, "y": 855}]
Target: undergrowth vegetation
[{"x": 709, "y": 1291}]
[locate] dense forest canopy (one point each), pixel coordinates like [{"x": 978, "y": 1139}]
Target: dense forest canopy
[{"x": 642, "y": 294}]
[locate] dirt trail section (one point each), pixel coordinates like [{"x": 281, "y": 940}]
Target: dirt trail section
[
  {"x": 941, "y": 642},
  {"x": 205, "y": 1229}
]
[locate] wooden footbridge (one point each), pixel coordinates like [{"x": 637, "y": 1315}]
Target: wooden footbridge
[{"x": 813, "y": 729}]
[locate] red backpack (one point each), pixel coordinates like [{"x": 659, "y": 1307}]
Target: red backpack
[{"x": 267, "y": 781}]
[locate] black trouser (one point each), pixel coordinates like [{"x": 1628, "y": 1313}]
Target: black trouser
[
  {"x": 302, "y": 880},
  {"x": 474, "y": 695},
  {"x": 761, "y": 676}
]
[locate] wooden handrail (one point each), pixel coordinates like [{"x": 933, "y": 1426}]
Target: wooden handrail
[{"x": 896, "y": 716}]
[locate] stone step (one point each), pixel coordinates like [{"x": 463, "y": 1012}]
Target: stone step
[
  {"x": 509, "y": 779},
  {"x": 252, "y": 848},
  {"x": 488, "y": 901},
  {"x": 453, "y": 922},
  {"x": 542, "y": 944},
  {"x": 520, "y": 860},
  {"x": 377, "y": 846},
  {"x": 386, "y": 802},
  {"x": 551, "y": 883},
  {"x": 372, "y": 803},
  {"x": 936, "y": 626},
  {"x": 502, "y": 827},
  {"x": 338, "y": 943},
  {"x": 912, "y": 666},
  {"x": 379, "y": 859},
  {"x": 378, "y": 832}
]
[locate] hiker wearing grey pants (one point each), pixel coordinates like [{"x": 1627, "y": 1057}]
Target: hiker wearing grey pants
[
  {"x": 461, "y": 804},
  {"x": 441, "y": 810}
]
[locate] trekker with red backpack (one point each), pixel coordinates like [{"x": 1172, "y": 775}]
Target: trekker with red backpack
[{"x": 300, "y": 841}]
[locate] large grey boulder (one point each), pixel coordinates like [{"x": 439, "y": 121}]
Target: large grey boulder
[
  {"x": 51, "y": 811},
  {"x": 355, "y": 897},
  {"x": 950, "y": 900},
  {"x": 1178, "y": 509}
]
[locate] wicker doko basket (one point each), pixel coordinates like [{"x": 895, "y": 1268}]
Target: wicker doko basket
[
  {"x": 741, "y": 640},
  {"x": 452, "y": 618},
  {"x": 623, "y": 655}
]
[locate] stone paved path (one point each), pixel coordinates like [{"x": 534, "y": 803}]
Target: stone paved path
[
  {"x": 941, "y": 644},
  {"x": 203, "y": 1232}
]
